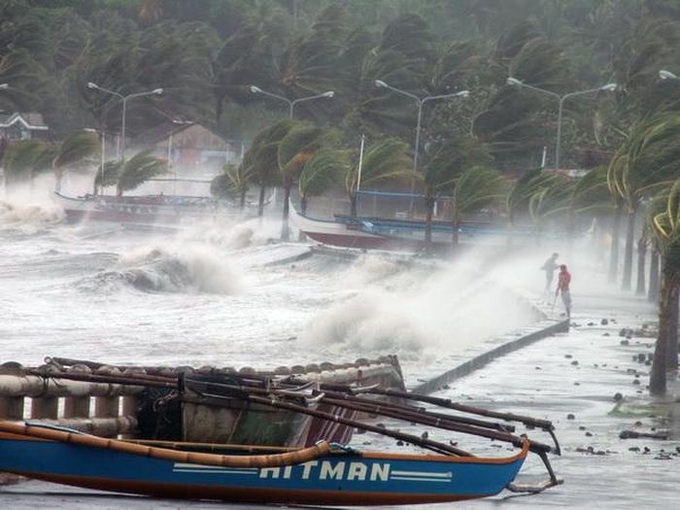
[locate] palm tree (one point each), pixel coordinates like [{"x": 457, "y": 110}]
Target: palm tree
[
  {"x": 295, "y": 150},
  {"x": 386, "y": 161},
  {"x": 664, "y": 218},
  {"x": 138, "y": 169},
  {"x": 232, "y": 183},
  {"x": 473, "y": 190},
  {"x": 452, "y": 156},
  {"x": 77, "y": 148},
  {"x": 322, "y": 172},
  {"x": 591, "y": 203},
  {"x": 261, "y": 159},
  {"x": 647, "y": 162},
  {"x": 107, "y": 175},
  {"x": 19, "y": 161},
  {"x": 538, "y": 195}
]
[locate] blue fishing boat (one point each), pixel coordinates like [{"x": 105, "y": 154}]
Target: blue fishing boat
[
  {"x": 226, "y": 467},
  {"x": 323, "y": 474}
]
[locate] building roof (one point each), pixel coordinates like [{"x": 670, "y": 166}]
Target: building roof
[
  {"x": 32, "y": 121},
  {"x": 160, "y": 133}
]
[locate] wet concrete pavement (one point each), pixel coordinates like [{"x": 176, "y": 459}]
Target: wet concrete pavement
[{"x": 571, "y": 379}]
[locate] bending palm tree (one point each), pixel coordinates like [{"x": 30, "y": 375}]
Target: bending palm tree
[{"x": 664, "y": 218}]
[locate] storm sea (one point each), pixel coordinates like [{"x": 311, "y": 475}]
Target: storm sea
[{"x": 233, "y": 295}]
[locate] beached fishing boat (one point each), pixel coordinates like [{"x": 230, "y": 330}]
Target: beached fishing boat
[
  {"x": 161, "y": 403},
  {"x": 145, "y": 210},
  {"x": 321, "y": 474},
  {"x": 390, "y": 234},
  {"x": 168, "y": 208}
]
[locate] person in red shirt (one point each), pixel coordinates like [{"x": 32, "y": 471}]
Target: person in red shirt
[{"x": 563, "y": 281}]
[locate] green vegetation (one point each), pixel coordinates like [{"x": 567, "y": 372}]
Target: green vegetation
[{"x": 495, "y": 150}]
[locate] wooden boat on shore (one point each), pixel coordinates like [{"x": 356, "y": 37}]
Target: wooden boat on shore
[
  {"x": 324, "y": 473},
  {"x": 146, "y": 210},
  {"x": 160, "y": 209},
  {"x": 396, "y": 234},
  {"x": 159, "y": 403}
]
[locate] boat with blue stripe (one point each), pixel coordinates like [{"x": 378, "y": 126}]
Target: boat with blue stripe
[{"x": 323, "y": 474}]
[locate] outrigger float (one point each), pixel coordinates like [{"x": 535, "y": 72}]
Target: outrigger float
[{"x": 323, "y": 473}]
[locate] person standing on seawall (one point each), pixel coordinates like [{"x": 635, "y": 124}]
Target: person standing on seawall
[
  {"x": 563, "y": 281},
  {"x": 549, "y": 268}
]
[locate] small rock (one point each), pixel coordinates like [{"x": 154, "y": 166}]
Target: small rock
[
  {"x": 604, "y": 322},
  {"x": 570, "y": 416},
  {"x": 618, "y": 397}
]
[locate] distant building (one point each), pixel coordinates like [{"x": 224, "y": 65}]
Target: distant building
[
  {"x": 22, "y": 126},
  {"x": 192, "y": 149}
]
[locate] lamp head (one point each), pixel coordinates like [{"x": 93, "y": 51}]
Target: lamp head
[
  {"x": 91, "y": 85},
  {"x": 380, "y": 83},
  {"x": 329, "y": 93},
  {"x": 513, "y": 81},
  {"x": 463, "y": 93},
  {"x": 3, "y": 86},
  {"x": 255, "y": 90},
  {"x": 609, "y": 87},
  {"x": 157, "y": 91},
  {"x": 667, "y": 75}
]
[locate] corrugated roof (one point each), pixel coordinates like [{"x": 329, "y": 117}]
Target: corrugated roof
[{"x": 30, "y": 120}]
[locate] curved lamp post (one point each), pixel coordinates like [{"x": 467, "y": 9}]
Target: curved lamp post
[
  {"x": 420, "y": 102},
  {"x": 124, "y": 99},
  {"x": 293, "y": 102},
  {"x": 609, "y": 87},
  {"x": 667, "y": 75}
]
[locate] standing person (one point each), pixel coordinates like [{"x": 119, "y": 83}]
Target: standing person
[
  {"x": 563, "y": 281},
  {"x": 549, "y": 267}
]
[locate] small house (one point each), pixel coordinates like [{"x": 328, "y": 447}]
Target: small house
[
  {"x": 192, "y": 149},
  {"x": 22, "y": 126}
]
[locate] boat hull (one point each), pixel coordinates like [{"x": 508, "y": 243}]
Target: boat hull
[
  {"x": 140, "y": 210},
  {"x": 344, "y": 478}
]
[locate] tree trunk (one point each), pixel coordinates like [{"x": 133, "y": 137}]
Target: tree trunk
[
  {"x": 641, "y": 262},
  {"x": 672, "y": 344},
  {"x": 628, "y": 252},
  {"x": 657, "y": 376},
  {"x": 653, "y": 292},
  {"x": 456, "y": 227},
  {"x": 285, "y": 228},
  {"x": 303, "y": 205},
  {"x": 614, "y": 248},
  {"x": 353, "y": 205},
  {"x": 260, "y": 203}
]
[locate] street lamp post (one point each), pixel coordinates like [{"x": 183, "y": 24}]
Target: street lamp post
[
  {"x": 609, "y": 87},
  {"x": 420, "y": 102},
  {"x": 124, "y": 99},
  {"x": 667, "y": 75},
  {"x": 293, "y": 102}
]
